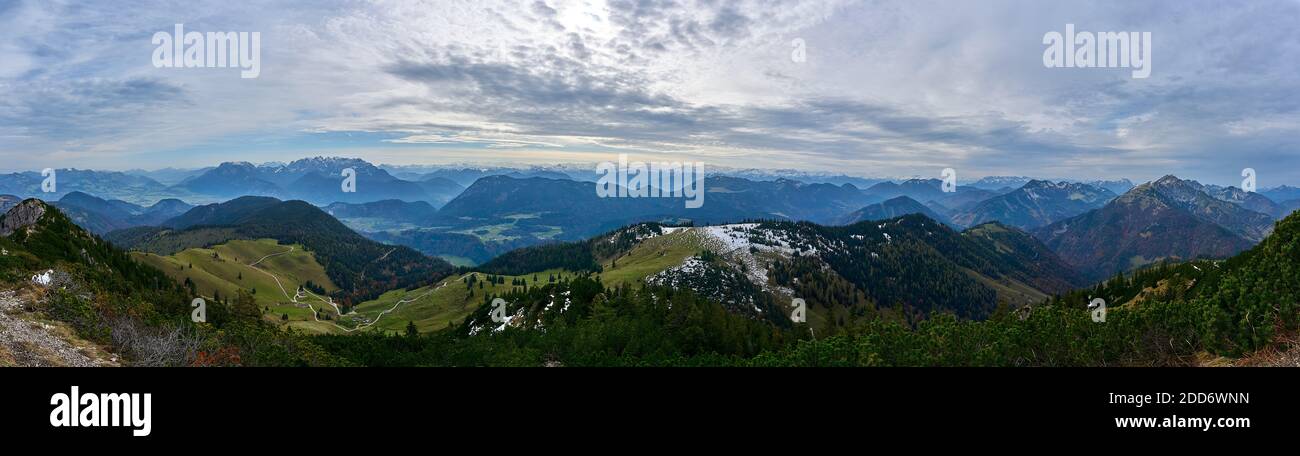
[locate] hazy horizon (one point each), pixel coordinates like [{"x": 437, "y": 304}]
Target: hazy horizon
[{"x": 963, "y": 180}]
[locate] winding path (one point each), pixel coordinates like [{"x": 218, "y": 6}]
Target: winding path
[{"x": 299, "y": 294}]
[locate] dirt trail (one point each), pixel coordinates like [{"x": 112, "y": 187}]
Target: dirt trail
[{"x": 303, "y": 293}]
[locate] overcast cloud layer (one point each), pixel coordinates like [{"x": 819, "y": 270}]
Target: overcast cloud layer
[{"x": 887, "y": 89}]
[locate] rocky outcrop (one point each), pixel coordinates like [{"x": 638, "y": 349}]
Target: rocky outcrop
[
  {"x": 23, "y": 215},
  {"x": 28, "y": 341}
]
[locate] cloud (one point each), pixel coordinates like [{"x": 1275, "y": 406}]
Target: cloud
[
  {"x": 888, "y": 87},
  {"x": 87, "y": 107}
]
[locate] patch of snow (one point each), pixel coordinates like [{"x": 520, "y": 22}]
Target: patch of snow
[{"x": 43, "y": 279}]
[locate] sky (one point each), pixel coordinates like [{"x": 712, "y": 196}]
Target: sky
[{"x": 883, "y": 88}]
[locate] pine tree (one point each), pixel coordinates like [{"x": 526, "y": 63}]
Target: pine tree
[
  {"x": 245, "y": 306},
  {"x": 602, "y": 309}
]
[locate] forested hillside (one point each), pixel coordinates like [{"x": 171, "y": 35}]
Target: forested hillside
[
  {"x": 362, "y": 268},
  {"x": 137, "y": 311},
  {"x": 1171, "y": 314}
]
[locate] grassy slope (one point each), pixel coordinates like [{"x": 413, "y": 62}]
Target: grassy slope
[
  {"x": 431, "y": 311},
  {"x": 649, "y": 257},
  {"x": 223, "y": 273},
  {"x": 1010, "y": 291},
  {"x": 432, "y": 308},
  {"x": 452, "y": 303}
]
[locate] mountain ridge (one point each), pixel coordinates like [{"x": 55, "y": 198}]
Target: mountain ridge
[
  {"x": 362, "y": 268},
  {"x": 1154, "y": 221},
  {"x": 1035, "y": 204}
]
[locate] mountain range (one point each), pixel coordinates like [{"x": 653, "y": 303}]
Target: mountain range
[
  {"x": 886, "y": 292},
  {"x": 1249, "y": 200},
  {"x": 1035, "y": 204},
  {"x": 317, "y": 180},
  {"x": 753, "y": 248},
  {"x": 537, "y": 205},
  {"x": 917, "y": 189},
  {"x": 1116, "y": 186},
  {"x": 103, "y": 184},
  {"x": 896, "y": 207},
  {"x": 1169, "y": 219},
  {"x": 906, "y": 267},
  {"x": 501, "y": 209},
  {"x": 101, "y": 216}
]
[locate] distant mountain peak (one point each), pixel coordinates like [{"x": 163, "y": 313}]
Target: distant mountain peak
[
  {"x": 1005, "y": 178},
  {"x": 902, "y": 199},
  {"x": 1047, "y": 184},
  {"x": 1169, "y": 218},
  {"x": 318, "y": 162},
  {"x": 789, "y": 182},
  {"x": 899, "y": 206},
  {"x": 997, "y": 182},
  {"x": 1170, "y": 179},
  {"x": 78, "y": 194},
  {"x": 1037, "y": 203}
]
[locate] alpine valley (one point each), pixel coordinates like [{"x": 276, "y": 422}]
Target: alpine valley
[{"x": 528, "y": 266}]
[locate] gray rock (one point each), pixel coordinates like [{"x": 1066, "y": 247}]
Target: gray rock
[{"x": 25, "y": 214}]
